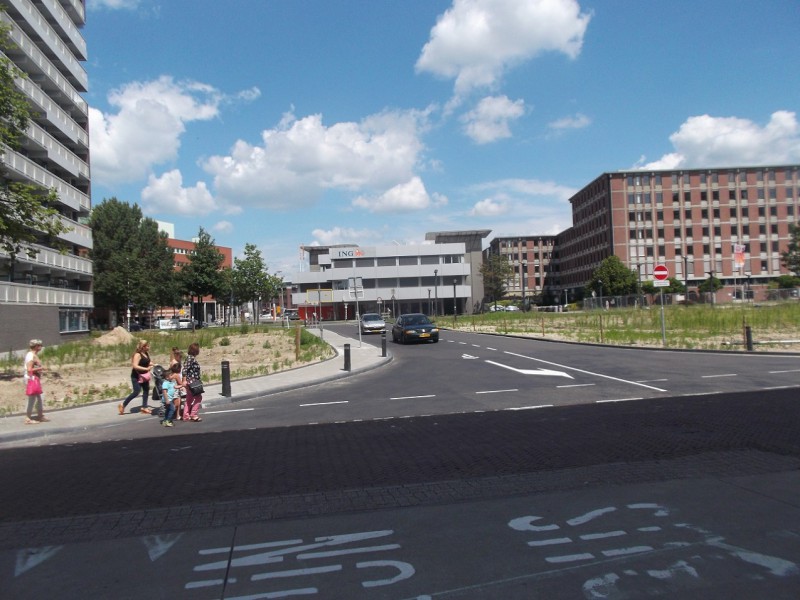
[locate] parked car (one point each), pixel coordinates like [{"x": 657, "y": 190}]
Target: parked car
[
  {"x": 290, "y": 314},
  {"x": 512, "y": 308},
  {"x": 166, "y": 324},
  {"x": 414, "y": 327},
  {"x": 372, "y": 323}
]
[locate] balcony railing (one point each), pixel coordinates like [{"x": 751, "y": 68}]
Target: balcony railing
[
  {"x": 45, "y": 257},
  {"x": 19, "y": 293},
  {"x": 68, "y": 194}
]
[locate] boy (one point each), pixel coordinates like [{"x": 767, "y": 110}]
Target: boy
[{"x": 170, "y": 394}]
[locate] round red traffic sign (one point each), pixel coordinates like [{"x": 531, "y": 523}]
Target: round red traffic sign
[{"x": 661, "y": 273}]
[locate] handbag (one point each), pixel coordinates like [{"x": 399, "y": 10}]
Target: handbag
[
  {"x": 196, "y": 387},
  {"x": 144, "y": 376},
  {"x": 34, "y": 386}
]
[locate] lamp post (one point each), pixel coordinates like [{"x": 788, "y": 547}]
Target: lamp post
[
  {"x": 686, "y": 280},
  {"x": 600, "y": 283},
  {"x": 436, "y": 292},
  {"x": 639, "y": 284},
  {"x": 430, "y": 310},
  {"x": 455, "y": 306}
]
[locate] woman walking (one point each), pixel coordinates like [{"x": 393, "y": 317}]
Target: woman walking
[
  {"x": 33, "y": 383},
  {"x": 191, "y": 373},
  {"x": 140, "y": 377}
]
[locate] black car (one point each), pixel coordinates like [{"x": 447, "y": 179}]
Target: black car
[{"x": 414, "y": 327}]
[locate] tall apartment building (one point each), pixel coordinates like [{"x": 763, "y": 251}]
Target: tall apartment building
[
  {"x": 731, "y": 223},
  {"x": 530, "y": 258},
  {"x": 49, "y": 296}
]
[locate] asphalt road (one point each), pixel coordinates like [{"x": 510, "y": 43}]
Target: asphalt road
[{"x": 455, "y": 461}]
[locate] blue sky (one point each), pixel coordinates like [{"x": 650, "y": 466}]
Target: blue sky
[{"x": 289, "y": 122}]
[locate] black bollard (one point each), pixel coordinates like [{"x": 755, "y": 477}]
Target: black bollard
[
  {"x": 347, "y": 357},
  {"x": 748, "y": 336},
  {"x": 226, "y": 378},
  {"x": 383, "y": 343}
]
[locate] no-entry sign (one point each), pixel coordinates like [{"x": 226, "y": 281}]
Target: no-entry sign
[{"x": 661, "y": 273}]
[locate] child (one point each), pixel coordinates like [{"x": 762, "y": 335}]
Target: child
[{"x": 170, "y": 395}]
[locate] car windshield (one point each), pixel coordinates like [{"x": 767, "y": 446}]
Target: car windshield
[
  {"x": 372, "y": 318},
  {"x": 417, "y": 320}
]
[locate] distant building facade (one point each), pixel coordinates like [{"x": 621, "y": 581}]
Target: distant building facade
[
  {"x": 49, "y": 296},
  {"x": 731, "y": 223},
  {"x": 434, "y": 278}
]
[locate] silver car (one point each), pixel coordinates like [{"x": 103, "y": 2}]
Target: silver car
[{"x": 372, "y": 323}]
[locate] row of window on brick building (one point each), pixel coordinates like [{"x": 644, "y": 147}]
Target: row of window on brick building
[{"x": 729, "y": 178}]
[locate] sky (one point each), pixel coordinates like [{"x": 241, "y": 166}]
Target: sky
[{"x": 283, "y": 123}]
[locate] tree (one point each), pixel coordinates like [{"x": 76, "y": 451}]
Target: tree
[
  {"x": 202, "y": 275},
  {"x": 133, "y": 264},
  {"x": 791, "y": 258},
  {"x": 250, "y": 277},
  {"x": 613, "y": 278},
  {"x": 27, "y": 215},
  {"x": 115, "y": 253},
  {"x": 712, "y": 284},
  {"x": 496, "y": 271}
]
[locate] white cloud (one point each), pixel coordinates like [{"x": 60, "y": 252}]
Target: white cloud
[
  {"x": 147, "y": 127},
  {"x": 343, "y": 235},
  {"x": 223, "y": 227},
  {"x": 489, "y": 207},
  {"x": 476, "y": 41},
  {"x": 111, "y": 4},
  {"x": 408, "y": 196},
  {"x": 528, "y": 188},
  {"x": 576, "y": 121},
  {"x": 166, "y": 195},
  {"x": 706, "y": 141},
  {"x": 488, "y": 121},
  {"x": 301, "y": 158}
]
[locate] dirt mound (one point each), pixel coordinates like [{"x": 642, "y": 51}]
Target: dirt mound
[{"x": 118, "y": 335}]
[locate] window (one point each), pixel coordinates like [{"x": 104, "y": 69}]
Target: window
[
  {"x": 409, "y": 282},
  {"x": 387, "y": 261},
  {"x": 453, "y": 259},
  {"x": 408, "y": 261},
  {"x": 71, "y": 320},
  {"x": 430, "y": 260}
]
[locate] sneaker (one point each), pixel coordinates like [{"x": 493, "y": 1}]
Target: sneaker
[{"x": 167, "y": 423}]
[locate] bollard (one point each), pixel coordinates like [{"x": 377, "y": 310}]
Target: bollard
[
  {"x": 383, "y": 343},
  {"x": 226, "y": 378},
  {"x": 347, "y": 357},
  {"x": 748, "y": 336}
]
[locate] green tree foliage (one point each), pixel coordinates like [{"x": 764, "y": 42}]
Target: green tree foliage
[
  {"x": 251, "y": 279},
  {"x": 496, "y": 272},
  {"x": 712, "y": 284},
  {"x": 613, "y": 278},
  {"x": 132, "y": 261},
  {"x": 791, "y": 258},
  {"x": 202, "y": 275},
  {"x": 27, "y": 215}
]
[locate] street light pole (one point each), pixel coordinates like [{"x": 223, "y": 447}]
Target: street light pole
[
  {"x": 436, "y": 292},
  {"x": 455, "y": 307}
]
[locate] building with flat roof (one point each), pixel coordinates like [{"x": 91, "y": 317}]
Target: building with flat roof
[
  {"x": 732, "y": 223},
  {"x": 49, "y": 295},
  {"x": 435, "y": 278}
]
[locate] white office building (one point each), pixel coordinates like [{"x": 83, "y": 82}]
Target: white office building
[
  {"x": 49, "y": 295},
  {"x": 435, "y": 278}
]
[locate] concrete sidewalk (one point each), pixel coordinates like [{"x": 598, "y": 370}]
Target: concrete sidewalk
[{"x": 363, "y": 357}]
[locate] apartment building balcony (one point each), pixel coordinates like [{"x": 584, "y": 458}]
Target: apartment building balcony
[
  {"x": 20, "y": 293},
  {"x": 41, "y": 144},
  {"x": 46, "y": 260},
  {"x": 37, "y": 25},
  {"x": 55, "y": 115},
  {"x": 27, "y": 170},
  {"x": 65, "y": 18},
  {"x": 78, "y": 234},
  {"x": 41, "y": 70}
]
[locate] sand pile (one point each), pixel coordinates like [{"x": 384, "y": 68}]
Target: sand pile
[{"x": 118, "y": 335}]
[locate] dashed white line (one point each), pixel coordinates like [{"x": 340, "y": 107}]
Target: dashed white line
[
  {"x": 496, "y": 391},
  {"x": 789, "y": 371},
  {"x": 412, "y": 397},
  {"x": 720, "y": 375},
  {"x": 232, "y": 410},
  {"x": 574, "y": 385},
  {"x": 326, "y": 403},
  {"x": 530, "y": 407},
  {"x": 616, "y": 400}
]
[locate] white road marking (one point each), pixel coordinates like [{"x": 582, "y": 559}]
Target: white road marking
[
  {"x": 617, "y": 400},
  {"x": 576, "y": 385},
  {"x": 531, "y": 371},
  {"x": 789, "y": 371},
  {"x": 530, "y": 407},
  {"x": 413, "y": 397},
  {"x": 585, "y": 372},
  {"x": 496, "y": 391},
  {"x": 325, "y": 403},
  {"x": 232, "y": 410},
  {"x": 720, "y": 375}
]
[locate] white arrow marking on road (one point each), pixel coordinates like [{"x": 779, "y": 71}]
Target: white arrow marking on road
[
  {"x": 468, "y": 356},
  {"x": 532, "y": 371}
]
